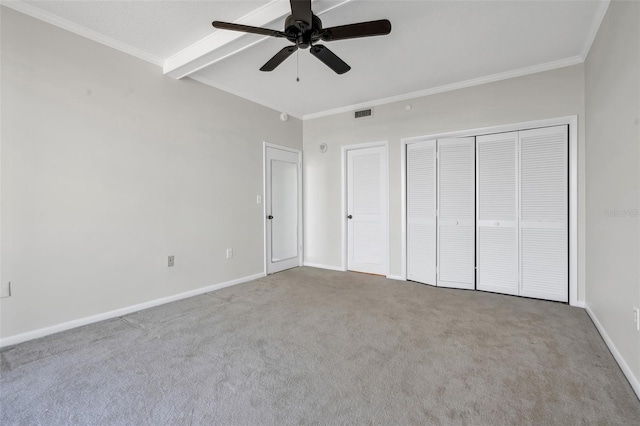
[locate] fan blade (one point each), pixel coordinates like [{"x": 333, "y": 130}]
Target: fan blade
[
  {"x": 247, "y": 29},
  {"x": 278, "y": 58},
  {"x": 330, "y": 59},
  {"x": 362, "y": 29},
  {"x": 301, "y": 11}
]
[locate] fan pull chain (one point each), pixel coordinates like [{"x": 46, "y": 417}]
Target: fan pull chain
[{"x": 298, "y": 66}]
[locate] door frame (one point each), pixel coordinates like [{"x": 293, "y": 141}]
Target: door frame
[
  {"x": 265, "y": 146},
  {"x": 345, "y": 237},
  {"x": 572, "y": 122}
]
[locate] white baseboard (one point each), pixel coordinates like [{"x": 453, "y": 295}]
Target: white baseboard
[
  {"x": 581, "y": 304},
  {"x": 633, "y": 380},
  {"x": 35, "y": 334},
  {"x": 319, "y": 266},
  {"x": 395, "y": 277}
]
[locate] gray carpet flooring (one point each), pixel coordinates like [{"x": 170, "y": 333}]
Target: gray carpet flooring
[{"x": 308, "y": 346}]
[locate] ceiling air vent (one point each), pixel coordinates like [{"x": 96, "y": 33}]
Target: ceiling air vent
[{"x": 365, "y": 113}]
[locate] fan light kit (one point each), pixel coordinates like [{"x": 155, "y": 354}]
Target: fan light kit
[{"x": 304, "y": 30}]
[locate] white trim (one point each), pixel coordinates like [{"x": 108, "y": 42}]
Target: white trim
[
  {"x": 343, "y": 160},
  {"x": 403, "y": 208},
  {"x": 300, "y": 208},
  {"x": 573, "y": 212},
  {"x": 633, "y": 380},
  {"x": 343, "y": 210},
  {"x": 282, "y": 148},
  {"x": 603, "y": 6},
  {"x": 502, "y": 128},
  {"x": 574, "y": 60},
  {"x": 202, "y": 53},
  {"x": 264, "y": 206},
  {"x": 50, "y": 18},
  {"x": 35, "y": 334},
  {"x": 298, "y": 152},
  {"x": 320, "y": 266},
  {"x": 396, "y": 277},
  {"x": 572, "y": 122}
]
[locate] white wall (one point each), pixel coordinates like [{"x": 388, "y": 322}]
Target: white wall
[
  {"x": 550, "y": 94},
  {"x": 108, "y": 167},
  {"x": 612, "y": 82}
]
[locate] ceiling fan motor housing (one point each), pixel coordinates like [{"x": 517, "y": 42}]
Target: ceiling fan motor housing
[
  {"x": 304, "y": 30},
  {"x": 301, "y": 33}
]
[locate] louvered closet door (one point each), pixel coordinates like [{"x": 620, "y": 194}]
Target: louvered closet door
[
  {"x": 497, "y": 209},
  {"x": 544, "y": 213},
  {"x": 456, "y": 213},
  {"x": 367, "y": 206},
  {"x": 421, "y": 212}
]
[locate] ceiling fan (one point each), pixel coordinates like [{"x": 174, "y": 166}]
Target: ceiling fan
[{"x": 304, "y": 30}]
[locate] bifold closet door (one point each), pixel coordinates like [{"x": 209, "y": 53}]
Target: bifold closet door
[
  {"x": 421, "y": 212},
  {"x": 456, "y": 213},
  {"x": 544, "y": 213},
  {"x": 497, "y": 209}
]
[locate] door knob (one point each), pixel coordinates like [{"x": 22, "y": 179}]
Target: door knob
[
  {"x": 269, "y": 217},
  {"x": 349, "y": 217}
]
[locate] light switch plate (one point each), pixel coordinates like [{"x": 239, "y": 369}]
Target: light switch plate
[{"x": 171, "y": 262}]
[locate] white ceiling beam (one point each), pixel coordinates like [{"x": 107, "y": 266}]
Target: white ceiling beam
[{"x": 222, "y": 44}]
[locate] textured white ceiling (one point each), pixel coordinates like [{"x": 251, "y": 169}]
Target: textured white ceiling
[
  {"x": 432, "y": 44},
  {"x": 160, "y": 28}
]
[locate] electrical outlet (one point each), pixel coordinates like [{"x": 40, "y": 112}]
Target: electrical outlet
[
  {"x": 636, "y": 317},
  {"x": 6, "y": 289},
  {"x": 229, "y": 253},
  {"x": 171, "y": 262}
]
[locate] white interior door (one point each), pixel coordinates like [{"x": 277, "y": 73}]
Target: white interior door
[
  {"x": 282, "y": 205},
  {"x": 421, "y": 212},
  {"x": 544, "y": 212},
  {"x": 456, "y": 213},
  {"x": 367, "y": 210},
  {"x": 497, "y": 209}
]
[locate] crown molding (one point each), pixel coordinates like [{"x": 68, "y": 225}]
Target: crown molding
[
  {"x": 37, "y": 13},
  {"x": 603, "y": 6},
  {"x": 450, "y": 87}
]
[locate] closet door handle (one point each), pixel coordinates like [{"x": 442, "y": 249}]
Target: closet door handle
[
  {"x": 349, "y": 217},
  {"x": 269, "y": 217}
]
